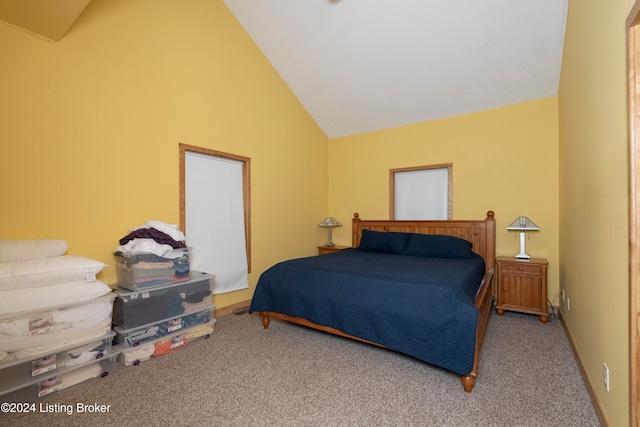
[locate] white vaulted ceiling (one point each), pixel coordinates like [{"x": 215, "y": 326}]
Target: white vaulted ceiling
[{"x": 365, "y": 65}]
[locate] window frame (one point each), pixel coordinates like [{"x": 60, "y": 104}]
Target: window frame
[
  {"x": 246, "y": 188},
  {"x": 443, "y": 166}
]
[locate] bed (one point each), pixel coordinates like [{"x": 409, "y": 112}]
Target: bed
[{"x": 422, "y": 288}]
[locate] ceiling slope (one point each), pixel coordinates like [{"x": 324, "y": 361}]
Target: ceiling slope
[
  {"x": 365, "y": 65},
  {"x": 49, "y": 19}
]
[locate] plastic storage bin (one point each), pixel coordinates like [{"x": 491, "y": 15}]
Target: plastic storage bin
[
  {"x": 133, "y": 356},
  {"x": 41, "y": 387},
  {"x": 138, "y": 271},
  {"x": 19, "y": 371},
  {"x": 47, "y": 330},
  {"x": 135, "y": 308},
  {"x": 154, "y": 331}
]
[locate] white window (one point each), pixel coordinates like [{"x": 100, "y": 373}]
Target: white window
[
  {"x": 421, "y": 192},
  {"x": 215, "y": 215}
]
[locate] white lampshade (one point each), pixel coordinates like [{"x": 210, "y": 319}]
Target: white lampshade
[{"x": 523, "y": 223}]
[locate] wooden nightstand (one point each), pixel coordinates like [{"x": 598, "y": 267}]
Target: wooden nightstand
[
  {"x": 328, "y": 249},
  {"x": 522, "y": 286}
]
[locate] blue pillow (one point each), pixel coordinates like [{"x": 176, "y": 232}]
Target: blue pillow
[
  {"x": 438, "y": 246},
  {"x": 382, "y": 241}
]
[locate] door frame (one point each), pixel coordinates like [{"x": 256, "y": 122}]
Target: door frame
[{"x": 633, "y": 100}]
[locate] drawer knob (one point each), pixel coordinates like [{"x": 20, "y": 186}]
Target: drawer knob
[{"x": 520, "y": 268}]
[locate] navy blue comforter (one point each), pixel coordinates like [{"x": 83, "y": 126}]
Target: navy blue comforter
[{"x": 420, "y": 306}]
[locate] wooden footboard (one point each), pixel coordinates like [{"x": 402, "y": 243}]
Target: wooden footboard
[
  {"x": 484, "y": 302},
  {"x": 267, "y": 315}
]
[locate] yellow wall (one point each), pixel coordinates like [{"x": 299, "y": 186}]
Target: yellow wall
[
  {"x": 593, "y": 195},
  {"x": 504, "y": 159},
  {"x": 90, "y": 127}
]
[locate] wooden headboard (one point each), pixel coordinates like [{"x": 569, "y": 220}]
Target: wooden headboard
[{"x": 481, "y": 233}]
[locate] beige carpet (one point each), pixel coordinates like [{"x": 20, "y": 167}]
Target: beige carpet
[{"x": 294, "y": 376}]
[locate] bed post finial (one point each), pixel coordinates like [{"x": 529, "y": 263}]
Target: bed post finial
[
  {"x": 490, "y": 214},
  {"x": 355, "y": 230}
]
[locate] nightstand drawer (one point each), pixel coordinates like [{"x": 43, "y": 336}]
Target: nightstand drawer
[{"x": 522, "y": 268}]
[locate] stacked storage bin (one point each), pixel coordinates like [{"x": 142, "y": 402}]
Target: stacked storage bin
[
  {"x": 160, "y": 304},
  {"x": 55, "y": 319}
]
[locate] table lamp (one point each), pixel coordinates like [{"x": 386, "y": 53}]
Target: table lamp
[
  {"x": 330, "y": 222},
  {"x": 522, "y": 224}
]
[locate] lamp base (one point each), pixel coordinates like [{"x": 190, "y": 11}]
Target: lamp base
[
  {"x": 522, "y": 254},
  {"x": 329, "y": 243}
]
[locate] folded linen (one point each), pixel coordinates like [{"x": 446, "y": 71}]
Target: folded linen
[
  {"x": 146, "y": 334},
  {"x": 82, "y": 374},
  {"x": 196, "y": 318},
  {"x": 136, "y": 354},
  {"x": 22, "y": 347},
  {"x": 191, "y": 307},
  {"x": 141, "y": 274},
  {"x": 80, "y": 316},
  {"x": 195, "y": 297},
  {"x": 198, "y": 331},
  {"x": 84, "y": 315},
  {"x": 169, "y": 345},
  {"x": 145, "y": 265},
  {"x": 78, "y": 351},
  {"x": 85, "y": 353},
  {"x": 131, "y": 258},
  {"x": 150, "y": 282}
]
